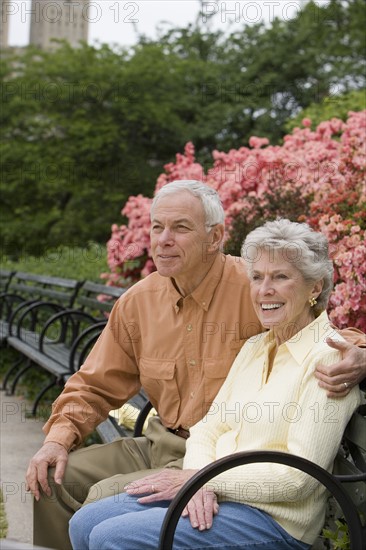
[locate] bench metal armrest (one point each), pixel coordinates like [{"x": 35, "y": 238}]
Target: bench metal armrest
[
  {"x": 83, "y": 344},
  {"x": 238, "y": 459},
  {"x": 71, "y": 317},
  {"x": 8, "y": 301},
  {"x": 137, "y": 432},
  {"x": 110, "y": 429},
  {"x": 31, "y": 311}
]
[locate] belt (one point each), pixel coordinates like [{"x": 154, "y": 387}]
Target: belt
[{"x": 180, "y": 432}]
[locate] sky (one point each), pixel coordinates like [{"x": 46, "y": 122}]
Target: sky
[{"x": 119, "y": 21}]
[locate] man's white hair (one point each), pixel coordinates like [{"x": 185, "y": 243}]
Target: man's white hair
[{"x": 212, "y": 206}]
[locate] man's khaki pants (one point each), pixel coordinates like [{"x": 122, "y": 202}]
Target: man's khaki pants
[{"x": 100, "y": 471}]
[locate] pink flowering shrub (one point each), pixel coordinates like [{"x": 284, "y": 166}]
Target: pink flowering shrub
[
  {"x": 317, "y": 176},
  {"x": 347, "y": 240}
]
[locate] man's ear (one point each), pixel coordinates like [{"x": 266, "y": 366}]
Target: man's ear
[{"x": 216, "y": 237}]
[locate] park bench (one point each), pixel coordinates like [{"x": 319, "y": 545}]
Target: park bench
[
  {"x": 110, "y": 429},
  {"x": 5, "y": 278},
  {"x": 60, "y": 342},
  {"x": 347, "y": 482},
  {"x": 24, "y": 290},
  {"x": 31, "y": 319},
  {"x": 19, "y": 290}
]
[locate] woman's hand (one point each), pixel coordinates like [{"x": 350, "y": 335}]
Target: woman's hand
[
  {"x": 161, "y": 486},
  {"x": 201, "y": 509}
]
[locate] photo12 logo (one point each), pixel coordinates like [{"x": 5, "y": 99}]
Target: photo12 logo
[
  {"x": 251, "y": 11},
  {"x": 53, "y": 11}
]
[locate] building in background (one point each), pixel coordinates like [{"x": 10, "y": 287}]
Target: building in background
[
  {"x": 4, "y": 24},
  {"x": 59, "y": 19}
]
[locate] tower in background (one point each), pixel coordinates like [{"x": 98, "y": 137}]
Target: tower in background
[{"x": 59, "y": 19}]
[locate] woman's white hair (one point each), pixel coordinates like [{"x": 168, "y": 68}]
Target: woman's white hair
[
  {"x": 212, "y": 207},
  {"x": 305, "y": 248}
]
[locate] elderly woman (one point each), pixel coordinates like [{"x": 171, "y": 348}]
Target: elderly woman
[{"x": 270, "y": 400}]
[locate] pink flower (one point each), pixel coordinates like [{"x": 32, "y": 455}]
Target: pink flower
[
  {"x": 325, "y": 167},
  {"x": 257, "y": 142},
  {"x": 306, "y": 122}
]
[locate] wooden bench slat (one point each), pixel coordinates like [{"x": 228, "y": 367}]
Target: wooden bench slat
[
  {"x": 39, "y": 358},
  {"x": 44, "y": 292},
  {"x": 98, "y": 288},
  {"x": 46, "y": 279},
  {"x": 92, "y": 304}
]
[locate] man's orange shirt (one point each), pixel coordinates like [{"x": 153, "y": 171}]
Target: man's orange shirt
[{"x": 178, "y": 349}]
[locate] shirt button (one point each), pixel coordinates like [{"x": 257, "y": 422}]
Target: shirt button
[
  {"x": 203, "y": 303},
  {"x": 192, "y": 362},
  {"x": 192, "y": 396},
  {"x": 189, "y": 327}
]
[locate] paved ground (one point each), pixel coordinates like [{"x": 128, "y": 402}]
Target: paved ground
[{"x": 20, "y": 439}]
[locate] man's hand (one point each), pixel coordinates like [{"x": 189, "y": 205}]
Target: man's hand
[
  {"x": 161, "y": 486},
  {"x": 339, "y": 378},
  {"x": 51, "y": 454},
  {"x": 201, "y": 509}
]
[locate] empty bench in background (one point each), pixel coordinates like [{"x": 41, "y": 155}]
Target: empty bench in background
[
  {"x": 5, "y": 278},
  {"x": 60, "y": 344},
  {"x": 24, "y": 291},
  {"x": 35, "y": 305},
  {"x": 19, "y": 290}
]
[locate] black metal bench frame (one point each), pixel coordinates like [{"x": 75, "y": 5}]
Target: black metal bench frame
[
  {"x": 22, "y": 299},
  {"x": 110, "y": 430},
  {"x": 6, "y": 276},
  {"x": 19, "y": 290},
  {"x": 349, "y": 501},
  {"x": 59, "y": 343}
]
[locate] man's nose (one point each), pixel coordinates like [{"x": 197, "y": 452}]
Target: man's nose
[{"x": 166, "y": 236}]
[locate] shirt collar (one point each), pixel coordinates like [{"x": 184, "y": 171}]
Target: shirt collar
[
  {"x": 301, "y": 344},
  {"x": 203, "y": 294}
]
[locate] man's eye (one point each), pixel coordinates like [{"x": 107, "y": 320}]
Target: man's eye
[
  {"x": 182, "y": 228},
  {"x": 281, "y": 276},
  {"x": 157, "y": 228},
  {"x": 255, "y": 277}
]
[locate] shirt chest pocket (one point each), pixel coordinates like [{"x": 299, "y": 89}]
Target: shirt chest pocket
[
  {"x": 218, "y": 367},
  {"x": 215, "y": 370},
  {"x": 158, "y": 378}
]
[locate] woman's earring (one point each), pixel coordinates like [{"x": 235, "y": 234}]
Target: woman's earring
[{"x": 312, "y": 301}]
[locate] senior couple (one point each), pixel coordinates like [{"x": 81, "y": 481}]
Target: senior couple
[{"x": 206, "y": 335}]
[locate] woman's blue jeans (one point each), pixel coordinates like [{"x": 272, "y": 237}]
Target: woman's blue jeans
[{"x": 121, "y": 523}]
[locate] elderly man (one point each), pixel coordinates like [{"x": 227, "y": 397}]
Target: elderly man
[{"x": 176, "y": 334}]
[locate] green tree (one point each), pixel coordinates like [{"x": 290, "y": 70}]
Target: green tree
[
  {"x": 330, "y": 107},
  {"x": 285, "y": 67},
  {"x": 57, "y": 144},
  {"x": 83, "y": 129}
]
